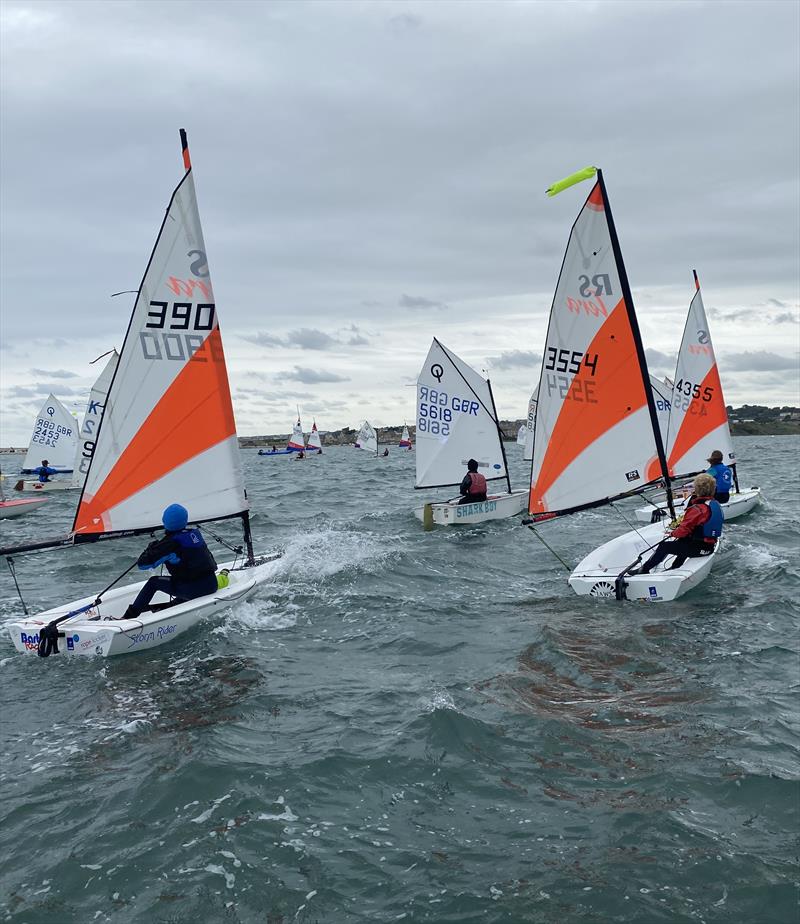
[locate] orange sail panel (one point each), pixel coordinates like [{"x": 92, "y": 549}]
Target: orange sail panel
[{"x": 594, "y": 434}]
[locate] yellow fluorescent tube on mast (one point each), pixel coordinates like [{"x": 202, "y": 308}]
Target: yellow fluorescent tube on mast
[{"x": 571, "y": 180}]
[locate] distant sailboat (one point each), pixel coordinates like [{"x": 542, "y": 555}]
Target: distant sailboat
[
  {"x": 597, "y": 435},
  {"x": 297, "y": 441},
  {"x": 521, "y": 435},
  {"x": 456, "y": 422},
  {"x": 527, "y": 453},
  {"x": 167, "y": 434},
  {"x": 697, "y": 420},
  {"x": 314, "y": 440},
  {"x": 54, "y": 437},
  {"x": 405, "y": 439},
  {"x": 367, "y": 438}
]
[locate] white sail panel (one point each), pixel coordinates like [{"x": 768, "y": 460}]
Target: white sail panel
[
  {"x": 367, "y": 438},
  {"x": 91, "y": 420},
  {"x": 662, "y": 397},
  {"x": 530, "y": 427},
  {"x": 297, "y": 440},
  {"x": 314, "y": 439},
  {"x": 592, "y": 381},
  {"x": 169, "y": 408},
  {"x": 698, "y": 423},
  {"x": 521, "y": 434},
  {"x": 54, "y": 437},
  {"x": 455, "y": 422}
]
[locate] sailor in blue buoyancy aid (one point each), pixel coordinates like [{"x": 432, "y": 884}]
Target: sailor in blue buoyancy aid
[
  {"x": 44, "y": 471},
  {"x": 722, "y": 475},
  {"x": 191, "y": 566},
  {"x": 697, "y": 533}
]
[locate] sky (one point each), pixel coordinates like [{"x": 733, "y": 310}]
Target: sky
[{"x": 371, "y": 175}]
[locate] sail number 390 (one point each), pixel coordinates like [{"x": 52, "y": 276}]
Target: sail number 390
[{"x": 157, "y": 343}]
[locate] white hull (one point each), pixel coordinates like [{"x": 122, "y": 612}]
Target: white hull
[
  {"x": 40, "y": 487},
  {"x": 16, "y": 508},
  {"x": 100, "y": 631},
  {"x": 597, "y": 573},
  {"x": 495, "y": 507},
  {"x": 737, "y": 506}
]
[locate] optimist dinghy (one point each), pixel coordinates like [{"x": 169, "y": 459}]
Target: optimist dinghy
[
  {"x": 167, "y": 435},
  {"x": 697, "y": 423},
  {"x": 597, "y": 436},
  {"x": 55, "y": 438},
  {"x": 456, "y": 422},
  {"x": 367, "y": 438}
]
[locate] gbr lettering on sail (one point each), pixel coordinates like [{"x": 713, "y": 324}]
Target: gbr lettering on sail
[{"x": 177, "y": 328}]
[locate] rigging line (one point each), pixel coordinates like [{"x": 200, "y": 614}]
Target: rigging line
[
  {"x": 633, "y": 527},
  {"x": 10, "y": 561},
  {"x": 548, "y": 547}
]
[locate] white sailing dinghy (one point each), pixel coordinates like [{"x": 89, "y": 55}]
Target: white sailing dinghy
[
  {"x": 527, "y": 453},
  {"x": 405, "y": 438},
  {"x": 55, "y": 438},
  {"x": 597, "y": 436},
  {"x": 456, "y": 422},
  {"x": 314, "y": 439},
  {"x": 367, "y": 438},
  {"x": 297, "y": 442},
  {"x": 697, "y": 422},
  {"x": 167, "y": 435},
  {"x": 521, "y": 434}
]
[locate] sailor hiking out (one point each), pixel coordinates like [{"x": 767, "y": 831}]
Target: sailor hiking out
[
  {"x": 698, "y": 531},
  {"x": 191, "y": 566}
]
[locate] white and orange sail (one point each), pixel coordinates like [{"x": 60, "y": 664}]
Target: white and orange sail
[
  {"x": 168, "y": 433},
  {"x": 698, "y": 420},
  {"x": 405, "y": 438},
  {"x": 596, "y": 435}
]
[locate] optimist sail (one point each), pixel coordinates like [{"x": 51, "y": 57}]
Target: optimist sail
[
  {"x": 367, "y": 438},
  {"x": 596, "y": 433},
  {"x": 297, "y": 440},
  {"x": 314, "y": 441},
  {"x": 168, "y": 433},
  {"x": 91, "y": 421},
  {"x": 55, "y": 438},
  {"x": 521, "y": 435},
  {"x": 405, "y": 438},
  {"x": 456, "y": 422},
  {"x": 698, "y": 421},
  {"x": 530, "y": 427},
  {"x": 662, "y": 396}
]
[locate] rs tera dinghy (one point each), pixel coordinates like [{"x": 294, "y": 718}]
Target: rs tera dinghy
[
  {"x": 597, "y": 436},
  {"x": 167, "y": 434},
  {"x": 697, "y": 423}
]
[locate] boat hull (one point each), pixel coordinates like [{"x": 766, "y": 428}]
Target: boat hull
[
  {"x": 739, "y": 504},
  {"x": 495, "y": 507},
  {"x": 276, "y": 452},
  {"x": 100, "y": 631},
  {"x": 596, "y": 575},
  {"x": 32, "y": 486},
  {"x": 16, "y": 508}
]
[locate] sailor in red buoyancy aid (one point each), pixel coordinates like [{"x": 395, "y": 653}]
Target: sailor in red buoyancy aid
[
  {"x": 698, "y": 531},
  {"x": 473, "y": 487}
]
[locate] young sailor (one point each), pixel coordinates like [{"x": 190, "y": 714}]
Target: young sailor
[
  {"x": 722, "y": 475},
  {"x": 191, "y": 566},
  {"x": 44, "y": 471},
  {"x": 698, "y": 531},
  {"x": 473, "y": 485}
]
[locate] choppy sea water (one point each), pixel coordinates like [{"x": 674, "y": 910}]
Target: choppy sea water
[{"x": 414, "y": 726}]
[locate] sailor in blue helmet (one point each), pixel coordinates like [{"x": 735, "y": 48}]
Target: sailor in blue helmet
[{"x": 192, "y": 568}]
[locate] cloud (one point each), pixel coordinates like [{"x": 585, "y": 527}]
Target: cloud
[
  {"x": 512, "y": 359},
  {"x": 55, "y": 374},
  {"x": 785, "y": 317},
  {"x": 418, "y": 303},
  {"x": 777, "y": 303},
  {"x": 307, "y": 338},
  {"x": 313, "y": 376},
  {"x": 759, "y": 361},
  {"x": 659, "y": 360},
  {"x": 262, "y": 339}
]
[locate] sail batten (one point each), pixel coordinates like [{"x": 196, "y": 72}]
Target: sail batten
[
  {"x": 595, "y": 431},
  {"x": 168, "y": 432}
]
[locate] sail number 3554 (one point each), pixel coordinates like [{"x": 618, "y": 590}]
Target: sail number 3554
[{"x": 569, "y": 362}]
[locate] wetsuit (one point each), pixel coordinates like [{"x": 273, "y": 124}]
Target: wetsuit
[
  {"x": 695, "y": 536},
  {"x": 191, "y": 566}
]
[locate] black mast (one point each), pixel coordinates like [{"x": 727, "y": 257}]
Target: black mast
[
  {"x": 637, "y": 339},
  {"x": 499, "y": 435}
]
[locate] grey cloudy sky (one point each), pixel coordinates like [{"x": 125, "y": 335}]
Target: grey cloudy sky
[{"x": 370, "y": 175}]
